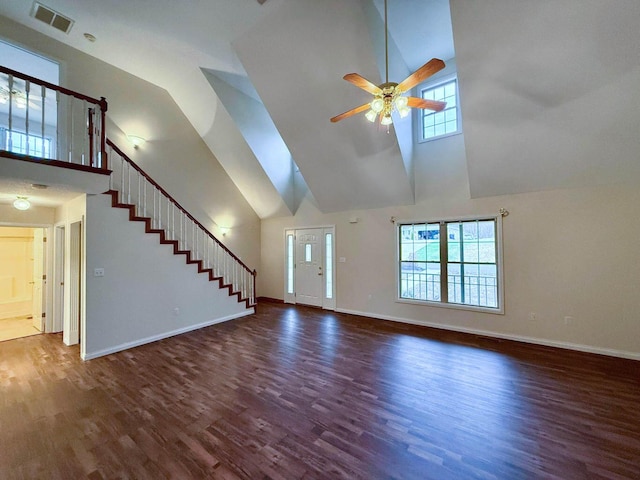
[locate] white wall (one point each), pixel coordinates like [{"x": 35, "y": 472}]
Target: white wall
[
  {"x": 143, "y": 284},
  {"x": 566, "y": 253}
]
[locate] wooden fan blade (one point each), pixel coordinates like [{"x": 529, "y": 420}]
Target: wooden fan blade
[
  {"x": 426, "y": 104},
  {"x": 361, "y": 82},
  {"x": 350, "y": 113},
  {"x": 432, "y": 66}
]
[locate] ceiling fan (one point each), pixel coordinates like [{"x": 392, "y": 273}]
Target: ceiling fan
[
  {"x": 388, "y": 96},
  {"x": 18, "y": 96}
]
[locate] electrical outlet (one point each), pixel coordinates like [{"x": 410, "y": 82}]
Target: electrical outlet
[
  {"x": 533, "y": 316},
  {"x": 98, "y": 272},
  {"x": 176, "y": 311},
  {"x": 568, "y": 320}
]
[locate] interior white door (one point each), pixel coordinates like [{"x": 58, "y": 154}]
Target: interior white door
[
  {"x": 309, "y": 274},
  {"x": 37, "y": 282}
]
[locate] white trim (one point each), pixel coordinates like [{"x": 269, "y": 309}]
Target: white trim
[
  {"x": 161, "y": 336},
  {"x": 517, "y": 338}
]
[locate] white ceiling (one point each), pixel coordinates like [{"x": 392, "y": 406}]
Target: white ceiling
[{"x": 549, "y": 89}]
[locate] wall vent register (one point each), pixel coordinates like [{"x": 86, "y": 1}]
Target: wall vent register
[{"x": 51, "y": 17}]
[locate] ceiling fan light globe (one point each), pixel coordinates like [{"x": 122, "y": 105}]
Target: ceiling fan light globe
[
  {"x": 21, "y": 203},
  {"x": 371, "y": 116},
  {"x": 401, "y": 102},
  {"x": 386, "y": 120},
  {"x": 403, "y": 111},
  {"x": 377, "y": 105}
]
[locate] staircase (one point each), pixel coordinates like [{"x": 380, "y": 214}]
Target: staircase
[
  {"x": 47, "y": 123},
  {"x": 133, "y": 189}
]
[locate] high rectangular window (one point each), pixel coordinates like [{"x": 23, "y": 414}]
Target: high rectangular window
[
  {"x": 446, "y": 122},
  {"x": 453, "y": 262}
]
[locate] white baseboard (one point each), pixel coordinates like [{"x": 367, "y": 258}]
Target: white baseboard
[
  {"x": 517, "y": 338},
  {"x": 155, "y": 338}
]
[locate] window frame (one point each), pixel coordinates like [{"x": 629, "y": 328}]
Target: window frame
[
  {"x": 499, "y": 310},
  {"x": 421, "y": 113},
  {"x": 5, "y": 133}
]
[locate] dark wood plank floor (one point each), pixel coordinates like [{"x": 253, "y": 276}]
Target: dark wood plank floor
[{"x": 294, "y": 393}]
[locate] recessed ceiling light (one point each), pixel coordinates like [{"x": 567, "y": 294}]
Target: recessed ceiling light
[
  {"x": 39, "y": 186},
  {"x": 90, "y": 37}
]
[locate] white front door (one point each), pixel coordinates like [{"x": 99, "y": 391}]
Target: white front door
[
  {"x": 38, "y": 268},
  {"x": 309, "y": 275}
]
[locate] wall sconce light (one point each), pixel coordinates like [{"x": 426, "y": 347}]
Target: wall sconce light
[
  {"x": 21, "y": 203},
  {"x": 224, "y": 231},
  {"x": 136, "y": 141}
]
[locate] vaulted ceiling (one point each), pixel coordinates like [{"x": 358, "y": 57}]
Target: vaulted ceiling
[{"x": 549, "y": 89}]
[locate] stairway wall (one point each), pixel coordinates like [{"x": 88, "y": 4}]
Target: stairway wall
[{"x": 143, "y": 283}]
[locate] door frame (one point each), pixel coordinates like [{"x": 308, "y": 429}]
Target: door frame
[
  {"x": 74, "y": 305},
  {"x": 328, "y": 297},
  {"x": 59, "y": 247}
]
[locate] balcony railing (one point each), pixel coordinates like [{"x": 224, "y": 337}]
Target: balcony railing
[{"x": 43, "y": 121}]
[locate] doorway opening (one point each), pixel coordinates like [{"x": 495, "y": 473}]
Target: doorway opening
[
  {"x": 310, "y": 267},
  {"x": 23, "y": 266}
]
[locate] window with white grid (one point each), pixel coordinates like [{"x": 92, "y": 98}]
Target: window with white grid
[
  {"x": 451, "y": 262},
  {"x": 444, "y": 123}
]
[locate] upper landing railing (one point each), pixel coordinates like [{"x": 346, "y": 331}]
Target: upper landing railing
[{"x": 40, "y": 120}]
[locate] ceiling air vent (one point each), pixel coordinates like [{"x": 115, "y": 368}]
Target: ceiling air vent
[{"x": 51, "y": 17}]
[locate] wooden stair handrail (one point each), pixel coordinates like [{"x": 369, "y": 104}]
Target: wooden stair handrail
[
  {"x": 102, "y": 103},
  {"x": 175, "y": 202},
  {"x": 53, "y": 86}
]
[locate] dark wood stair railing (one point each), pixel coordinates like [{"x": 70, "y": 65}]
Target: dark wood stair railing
[
  {"x": 133, "y": 189},
  {"x": 52, "y": 123}
]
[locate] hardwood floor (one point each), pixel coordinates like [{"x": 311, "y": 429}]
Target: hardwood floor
[
  {"x": 17, "y": 327},
  {"x": 301, "y": 393}
]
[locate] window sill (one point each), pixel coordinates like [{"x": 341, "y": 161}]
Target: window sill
[
  {"x": 439, "y": 137},
  {"x": 454, "y": 306}
]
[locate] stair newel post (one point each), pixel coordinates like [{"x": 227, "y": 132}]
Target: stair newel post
[
  {"x": 103, "y": 130},
  {"x": 253, "y": 291}
]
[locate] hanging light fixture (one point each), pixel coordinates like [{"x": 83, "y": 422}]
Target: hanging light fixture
[
  {"x": 21, "y": 203},
  {"x": 388, "y": 97}
]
